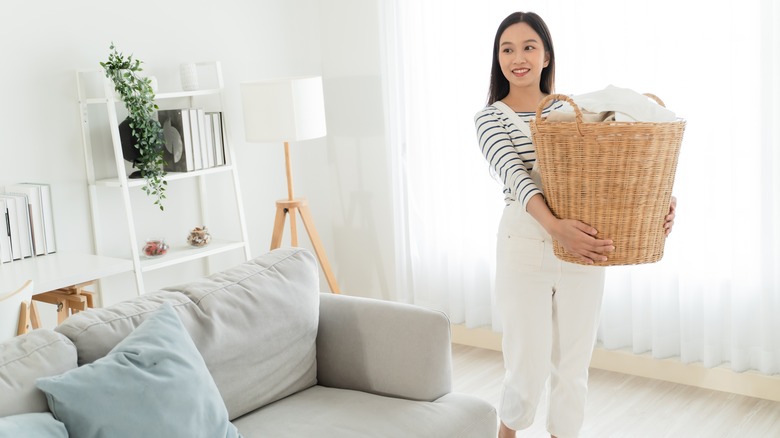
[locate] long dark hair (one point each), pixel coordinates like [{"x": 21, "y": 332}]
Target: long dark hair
[{"x": 499, "y": 85}]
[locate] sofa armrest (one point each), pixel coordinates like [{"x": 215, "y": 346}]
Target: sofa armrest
[{"x": 382, "y": 347}]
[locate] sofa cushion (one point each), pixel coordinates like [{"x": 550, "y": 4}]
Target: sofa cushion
[
  {"x": 153, "y": 383},
  {"x": 35, "y": 425},
  {"x": 96, "y": 331},
  {"x": 25, "y": 358},
  {"x": 258, "y": 327},
  {"x": 340, "y": 413},
  {"x": 261, "y": 315}
]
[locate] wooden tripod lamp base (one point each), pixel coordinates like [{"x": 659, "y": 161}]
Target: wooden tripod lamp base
[
  {"x": 285, "y": 206},
  {"x": 288, "y": 109}
]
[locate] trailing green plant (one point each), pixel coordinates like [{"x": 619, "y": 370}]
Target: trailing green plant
[{"x": 138, "y": 96}]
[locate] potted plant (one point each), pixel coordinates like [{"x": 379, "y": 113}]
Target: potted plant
[{"x": 138, "y": 96}]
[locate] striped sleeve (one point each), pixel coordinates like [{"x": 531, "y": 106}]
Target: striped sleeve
[{"x": 509, "y": 152}]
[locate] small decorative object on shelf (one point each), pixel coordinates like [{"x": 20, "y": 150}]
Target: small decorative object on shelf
[
  {"x": 155, "y": 248},
  {"x": 199, "y": 236},
  {"x": 189, "y": 76}
]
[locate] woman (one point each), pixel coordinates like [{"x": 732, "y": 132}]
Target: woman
[{"x": 549, "y": 308}]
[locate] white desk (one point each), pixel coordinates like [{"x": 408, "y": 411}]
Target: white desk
[{"x": 54, "y": 271}]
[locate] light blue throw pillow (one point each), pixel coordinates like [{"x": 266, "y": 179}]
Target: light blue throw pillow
[
  {"x": 37, "y": 425},
  {"x": 154, "y": 383}
]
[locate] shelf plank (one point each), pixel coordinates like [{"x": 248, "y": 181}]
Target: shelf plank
[
  {"x": 157, "y": 97},
  {"x": 185, "y": 253},
  {"x": 171, "y": 176},
  {"x": 180, "y": 94}
]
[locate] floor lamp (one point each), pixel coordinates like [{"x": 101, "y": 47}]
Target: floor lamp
[{"x": 285, "y": 110}]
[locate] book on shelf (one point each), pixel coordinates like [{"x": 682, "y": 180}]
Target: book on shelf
[
  {"x": 209, "y": 139},
  {"x": 219, "y": 144},
  {"x": 8, "y": 208},
  {"x": 39, "y": 200},
  {"x": 5, "y": 234},
  {"x": 22, "y": 222},
  {"x": 48, "y": 217},
  {"x": 195, "y": 134},
  {"x": 206, "y": 156},
  {"x": 178, "y": 141}
]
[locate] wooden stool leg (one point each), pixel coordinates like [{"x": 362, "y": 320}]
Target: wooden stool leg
[
  {"x": 89, "y": 296},
  {"x": 293, "y": 227},
  {"x": 63, "y": 310},
  {"x": 24, "y": 319},
  {"x": 276, "y": 237},
  {"x": 308, "y": 222},
  {"x": 35, "y": 319}
]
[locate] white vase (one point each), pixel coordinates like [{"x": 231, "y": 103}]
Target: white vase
[{"x": 189, "y": 76}]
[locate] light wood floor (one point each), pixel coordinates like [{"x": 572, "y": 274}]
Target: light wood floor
[{"x": 624, "y": 406}]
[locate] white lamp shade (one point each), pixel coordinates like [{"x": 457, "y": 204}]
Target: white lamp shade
[{"x": 290, "y": 109}]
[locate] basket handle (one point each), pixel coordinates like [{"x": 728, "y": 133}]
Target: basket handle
[
  {"x": 550, "y": 97},
  {"x": 656, "y": 99}
]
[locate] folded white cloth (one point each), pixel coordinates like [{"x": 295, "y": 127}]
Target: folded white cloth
[
  {"x": 587, "y": 116},
  {"x": 628, "y": 105}
]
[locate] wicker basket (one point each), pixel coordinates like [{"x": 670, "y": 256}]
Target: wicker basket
[{"x": 614, "y": 176}]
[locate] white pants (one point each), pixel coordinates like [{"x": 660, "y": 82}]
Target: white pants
[{"x": 550, "y": 311}]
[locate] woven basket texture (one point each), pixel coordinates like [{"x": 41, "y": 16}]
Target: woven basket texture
[{"x": 614, "y": 176}]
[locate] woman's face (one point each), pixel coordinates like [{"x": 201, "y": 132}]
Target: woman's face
[{"x": 522, "y": 56}]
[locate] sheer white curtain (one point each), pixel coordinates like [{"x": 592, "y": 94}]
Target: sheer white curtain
[
  {"x": 715, "y": 296},
  {"x": 449, "y": 201}
]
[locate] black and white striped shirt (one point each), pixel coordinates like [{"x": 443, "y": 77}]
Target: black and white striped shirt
[{"x": 511, "y": 153}]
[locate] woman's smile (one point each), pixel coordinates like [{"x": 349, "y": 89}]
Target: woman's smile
[{"x": 520, "y": 72}]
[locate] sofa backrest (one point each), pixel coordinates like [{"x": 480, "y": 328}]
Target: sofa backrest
[
  {"x": 254, "y": 324},
  {"x": 23, "y": 359},
  {"x": 96, "y": 331}
]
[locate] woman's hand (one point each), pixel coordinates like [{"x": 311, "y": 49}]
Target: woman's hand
[
  {"x": 670, "y": 217},
  {"x": 579, "y": 240},
  {"x": 576, "y": 237}
]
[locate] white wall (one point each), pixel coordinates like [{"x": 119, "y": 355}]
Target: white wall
[{"x": 343, "y": 175}]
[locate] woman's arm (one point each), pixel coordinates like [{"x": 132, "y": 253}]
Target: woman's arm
[
  {"x": 505, "y": 158},
  {"x": 576, "y": 237}
]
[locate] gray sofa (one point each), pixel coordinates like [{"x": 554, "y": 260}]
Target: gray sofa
[{"x": 283, "y": 361}]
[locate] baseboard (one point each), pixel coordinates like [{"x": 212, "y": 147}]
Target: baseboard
[
  {"x": 476, "y": 337},
  {"x": 749, "y": 383}
]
